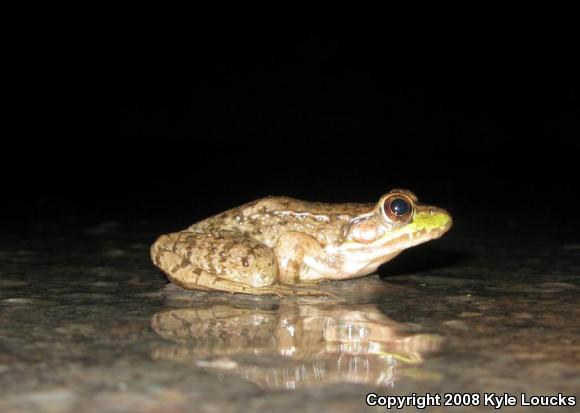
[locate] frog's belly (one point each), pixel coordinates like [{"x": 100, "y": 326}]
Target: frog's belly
[{"x": 336, "y": 268}]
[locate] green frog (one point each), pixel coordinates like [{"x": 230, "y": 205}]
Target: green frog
[{"x": 283, "y": 246}]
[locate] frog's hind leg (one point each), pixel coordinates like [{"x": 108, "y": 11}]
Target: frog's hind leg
[
  {"x": 224, "y": 261},
  {"x": 194, "y": 278}
]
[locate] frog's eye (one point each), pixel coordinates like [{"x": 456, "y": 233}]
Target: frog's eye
[{"x": 398, "y": 208}]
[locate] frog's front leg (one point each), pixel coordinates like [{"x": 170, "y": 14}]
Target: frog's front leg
[
  {"x": 293, "y": 250},
  {"x": 225, "y": 261}
]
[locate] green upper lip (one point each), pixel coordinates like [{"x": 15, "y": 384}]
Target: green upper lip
[
  {"x": 431, "y": 218},
  {"x": 429, "y": 223}
]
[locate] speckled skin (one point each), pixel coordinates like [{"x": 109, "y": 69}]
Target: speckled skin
[{"x": 281, "y": 245}]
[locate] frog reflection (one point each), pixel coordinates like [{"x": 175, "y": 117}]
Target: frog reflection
[{"x": 294, "y": 346}]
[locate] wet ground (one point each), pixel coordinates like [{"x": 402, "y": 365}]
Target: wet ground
[{"x": 88, "y": 324}]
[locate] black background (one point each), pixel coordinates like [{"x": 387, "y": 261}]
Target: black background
[{"x": 474, "y": 110}]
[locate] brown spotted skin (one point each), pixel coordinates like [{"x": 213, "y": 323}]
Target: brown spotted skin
[
  {"x": 268, "y": 218},
  {"x": 224, "y": 261},
  {"x": 281, "y": 245}
]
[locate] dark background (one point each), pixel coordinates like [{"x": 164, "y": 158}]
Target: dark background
[{"x": 473, "y": 110}]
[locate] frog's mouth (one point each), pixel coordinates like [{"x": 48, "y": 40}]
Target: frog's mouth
[
  {"x": 393, "y": 243},
  {"x": 428, "y": 223}
]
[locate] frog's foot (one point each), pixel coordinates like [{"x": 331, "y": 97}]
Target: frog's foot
[
  {"x": 217, "y": 284},
  {"x": 285, "y": 290}
]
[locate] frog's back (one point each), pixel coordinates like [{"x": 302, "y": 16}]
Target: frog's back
[{"x": 267, "y": 218}]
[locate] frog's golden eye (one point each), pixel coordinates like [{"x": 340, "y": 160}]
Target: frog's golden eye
[{"x": 398, "y": 208}]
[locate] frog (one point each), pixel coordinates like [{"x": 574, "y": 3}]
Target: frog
[{"x": 284, "y": 246}]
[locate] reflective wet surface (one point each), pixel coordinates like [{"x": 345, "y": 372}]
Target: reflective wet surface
[
  {"x": 88, "y": 324},
  {"x": 294, "y": 346}
]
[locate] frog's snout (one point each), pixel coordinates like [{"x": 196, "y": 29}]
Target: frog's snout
[{"x": 443, "y": 219}]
